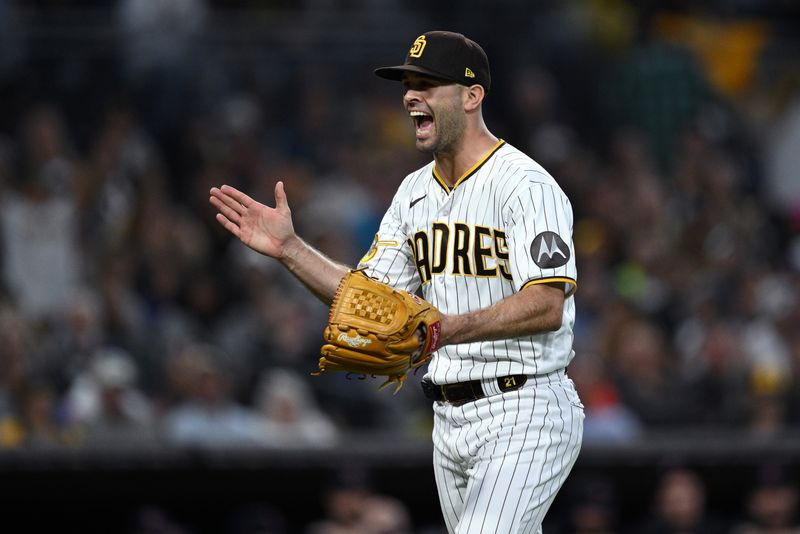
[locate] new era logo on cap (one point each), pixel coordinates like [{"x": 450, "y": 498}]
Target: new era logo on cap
[{"x": 445, "y": 55}]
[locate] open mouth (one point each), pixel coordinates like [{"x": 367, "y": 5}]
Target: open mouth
[{"x": 422, "y": 121}]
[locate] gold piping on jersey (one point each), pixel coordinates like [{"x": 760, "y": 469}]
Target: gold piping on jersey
[
  {"x": 377, "y": 242},
  {"x": 550, "y": 281},
  {"x": 472, "y": 170}
]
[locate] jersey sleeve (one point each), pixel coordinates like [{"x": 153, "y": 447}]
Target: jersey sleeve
[
  {"x": 539, "y": 232},
  {"x": 389, "y": 258}
]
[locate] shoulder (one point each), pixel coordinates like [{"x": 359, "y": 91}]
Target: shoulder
[
  {"x": 519, "y": 174},
  {"x": 415, "y": 181},
  {"x": 515, "y": 160}
]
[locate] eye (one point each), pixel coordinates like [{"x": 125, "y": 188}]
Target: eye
[{"x": 417, "y": 85}]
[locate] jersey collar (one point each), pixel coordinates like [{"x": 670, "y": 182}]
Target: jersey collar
[{"x": 472, "y": 170}]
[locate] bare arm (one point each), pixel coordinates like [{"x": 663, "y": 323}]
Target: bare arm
[
  {"x": 270, "y": 231},
  {"x": 537, "y": 308}
]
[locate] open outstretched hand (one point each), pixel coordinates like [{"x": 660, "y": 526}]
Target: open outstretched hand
[{"x": 260, "y": 227}]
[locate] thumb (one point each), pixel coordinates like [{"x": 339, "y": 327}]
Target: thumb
[
  {"x": 281, "y": 202},
  {"x": 409, "y": 345}
]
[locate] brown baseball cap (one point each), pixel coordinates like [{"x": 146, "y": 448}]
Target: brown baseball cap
[{"x": 445, "y": 55}]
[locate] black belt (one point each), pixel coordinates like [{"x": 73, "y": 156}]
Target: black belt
[{"x": 463, "y": 392}]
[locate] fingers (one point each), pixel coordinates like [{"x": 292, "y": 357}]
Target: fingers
[
  {"x": 237, "y": 195},
  {"x": 406, "y": 346},
  {"x": 411, "y": 345},
  {"x": 281, "y": 202},
  {"x": 224, "y": 197},
  {"x": 240, "y": 202},
  {"x": 228, "y": 225},
  {"x": 229, "y": 212}
]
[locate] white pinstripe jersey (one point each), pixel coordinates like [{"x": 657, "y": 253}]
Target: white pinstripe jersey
[{"x": 505, "y": 224}]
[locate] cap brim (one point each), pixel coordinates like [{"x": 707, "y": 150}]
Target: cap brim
[{"x": 396, "y": 73}]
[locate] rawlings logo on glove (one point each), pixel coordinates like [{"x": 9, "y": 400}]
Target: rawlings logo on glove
[
  {"x": 354, "y": 341},
  {"x": 374, "y": 329}
]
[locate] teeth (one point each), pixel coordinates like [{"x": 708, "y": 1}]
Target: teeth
[{"x": 418, "y": 114}]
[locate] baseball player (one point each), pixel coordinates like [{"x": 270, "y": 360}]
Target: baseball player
[{"x": 486, "y": 234}]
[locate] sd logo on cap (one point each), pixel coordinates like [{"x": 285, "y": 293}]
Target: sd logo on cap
[{"x": 444, "y": 55}]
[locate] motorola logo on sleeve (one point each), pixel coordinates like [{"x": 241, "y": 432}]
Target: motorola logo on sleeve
[{"x": 549, "y": 251}]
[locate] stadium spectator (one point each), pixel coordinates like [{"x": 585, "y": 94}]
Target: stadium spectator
[
  {"x": 106, "y": 402},
  {"x": 680, "y": 507},
  {"x": 772, "y": 504},
  {"x": 207, "y": 415},
  {"x": 591, "y": 507},
  {"x": 291, "y": 416},
  {"x": 42, "y": 265},
  {"x": 352, "y": 507}
]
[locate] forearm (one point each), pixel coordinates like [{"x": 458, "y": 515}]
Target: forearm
[
  {"x": 533, "y": 310},
  {"x": 320, "y": 274}
]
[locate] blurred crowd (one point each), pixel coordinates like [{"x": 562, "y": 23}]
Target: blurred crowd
[
  {"x": 680, "y": 501},
  {"x": 128, "y": 317}
]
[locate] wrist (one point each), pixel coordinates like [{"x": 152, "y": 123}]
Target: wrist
[
  {"x": 451, "y": 325},
  {"x": 290, "y": 249}
]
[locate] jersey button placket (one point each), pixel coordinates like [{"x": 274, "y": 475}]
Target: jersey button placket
[{"x": 445, "y": 205}]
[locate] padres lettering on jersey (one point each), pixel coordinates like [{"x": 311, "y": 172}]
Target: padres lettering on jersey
[
  {"x": 506, "y": 224},
  {"x": 472, "y": 251}
]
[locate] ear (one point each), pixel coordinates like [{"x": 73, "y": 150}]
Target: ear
[{"x": 473, "y": 97}]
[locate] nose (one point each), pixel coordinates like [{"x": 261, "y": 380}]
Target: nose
[{"x": 410, "y": 95}]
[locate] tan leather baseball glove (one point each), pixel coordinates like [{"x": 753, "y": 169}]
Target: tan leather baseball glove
[{"x": 371, "y": 330}]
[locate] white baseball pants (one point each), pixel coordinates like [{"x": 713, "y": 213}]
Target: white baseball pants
[{"x": 499, "y": 461}]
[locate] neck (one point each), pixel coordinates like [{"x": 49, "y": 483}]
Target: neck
[{"x": 453, "y": 164}]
